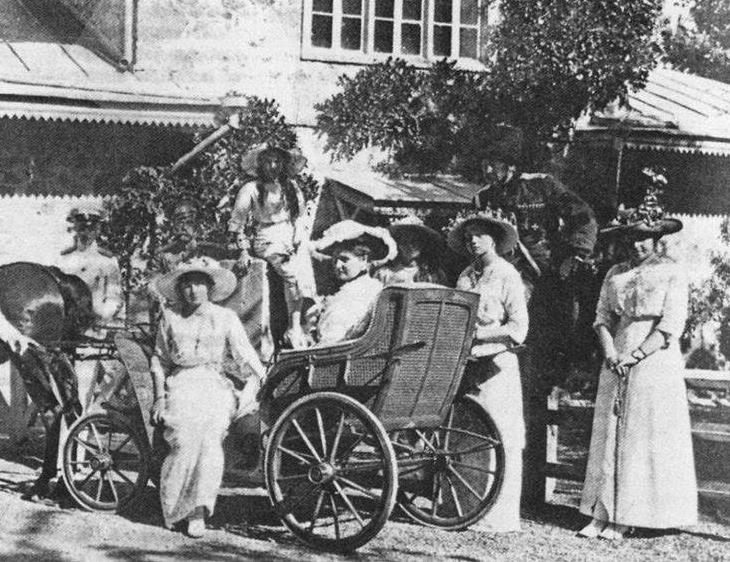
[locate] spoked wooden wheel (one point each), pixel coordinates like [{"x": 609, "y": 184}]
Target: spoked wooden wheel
[
  {"x": 450, "y": 477},
  {"x": 105, "y": 462},
  {"x": 331, "y": 471}
]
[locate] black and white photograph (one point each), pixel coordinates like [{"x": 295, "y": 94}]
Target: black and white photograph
[{"x": 303, "y": 280}]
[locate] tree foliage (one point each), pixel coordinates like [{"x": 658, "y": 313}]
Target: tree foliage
[
  {"x": 702, "y": 48},
  {"x": 137, "y": 221},
  {"x": 550, "y": 61}
]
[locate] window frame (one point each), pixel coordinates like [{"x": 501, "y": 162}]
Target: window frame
[{"x": 368, "y": 55}]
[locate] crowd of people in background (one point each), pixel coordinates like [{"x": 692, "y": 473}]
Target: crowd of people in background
[{"x": 526, "y": 245}]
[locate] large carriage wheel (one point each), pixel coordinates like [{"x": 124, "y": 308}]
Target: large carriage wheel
[
  {"x": 450, "y": 477},
  {"x": 105, "y": 462},
  {"x": 331, "y": 472}
]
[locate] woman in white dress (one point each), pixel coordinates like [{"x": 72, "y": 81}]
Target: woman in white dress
[
  {"x": 640, "y": 466},
  {"x": 502, "y": 323},
  {"x": 193, "y": 398},
  {"x": 355, "y": 249}
]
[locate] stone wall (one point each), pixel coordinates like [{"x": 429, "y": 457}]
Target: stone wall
[{"x": 250, "y": 46}]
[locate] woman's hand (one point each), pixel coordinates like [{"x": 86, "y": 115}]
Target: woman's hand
[
  {"x": 242, "y": 263},
  {"x": 158, "y": 410},
  {"x": 624, "y": 364}
]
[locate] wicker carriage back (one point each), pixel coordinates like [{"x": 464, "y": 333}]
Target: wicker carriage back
[{"x": 406, "y": 368}]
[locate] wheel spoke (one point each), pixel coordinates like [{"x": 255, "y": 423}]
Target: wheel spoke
[
  {"x": 348, "y": 503},
  {"x": 336, "y": 517},
  {"x": 436, "y": 493},
  {"x": 113, "y": 487},
  {"x": 351, "y": 447},
  {"x": 473, "y": 467},
  {"x": 127, "y": 440},
  {"x": 88, "y": 477},
  {"x": 465, "y": 483},
  {"x": 413, "y": 468},
  {"x": 336, "y": 442},
  {"x": 449, "y": 423},
  {"x": 290, "y": 477},
  {"x": 476, "y": 449},
  {"x": 350, "y": 484},
  {"x": 426, "y": 440},
  {"x": 96, "y": 436},
  {"x": 306, "y": 440},
  {"x": 315, "y": 513},
  {"x": 294, "y": 454},
  {"x": 75, "y": 463},
  {"x": 87, "y": 446},
  {"x": 100, "y": 488},
  {"x": 124, "y": 476},
  {"x": 454, "y": 496},
  {"x": 323, "y": 438}
]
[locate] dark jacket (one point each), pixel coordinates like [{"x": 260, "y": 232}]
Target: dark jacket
[{"x": 553, "y": 222}]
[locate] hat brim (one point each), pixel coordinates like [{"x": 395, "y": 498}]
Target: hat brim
[
  {"x": 295, "y": 161},
  {"x": 428, "y": 239},
  {"x": 505, "y": 235},
  {"x": 641, "y": 229},
  {"x": 224, "y": 282},
  {"x": 379, "y": 240}
]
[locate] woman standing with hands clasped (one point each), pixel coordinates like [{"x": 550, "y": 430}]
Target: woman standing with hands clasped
[
  {"x": 194, "y": 400},
  {"x": 640, "y": 466}
]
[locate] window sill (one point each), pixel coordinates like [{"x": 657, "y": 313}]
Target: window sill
[{"x": 359, "y": 58}]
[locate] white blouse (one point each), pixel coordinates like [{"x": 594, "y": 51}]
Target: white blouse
[
  {"x": 502, "y": 302},
  {"x": 203, "y": 339}
]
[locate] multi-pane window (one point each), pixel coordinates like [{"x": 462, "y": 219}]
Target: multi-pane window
[{"x": 427, "y": 29}]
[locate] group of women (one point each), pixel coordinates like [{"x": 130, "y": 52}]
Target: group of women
[{"x": 640, "y": 470}]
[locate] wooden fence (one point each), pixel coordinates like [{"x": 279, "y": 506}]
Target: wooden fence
[{"x": 710, "y": 433}]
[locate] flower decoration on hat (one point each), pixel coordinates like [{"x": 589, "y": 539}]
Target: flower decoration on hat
[
  {"x": 648, "y": 218},
  {"x": 502, "y": 226}
]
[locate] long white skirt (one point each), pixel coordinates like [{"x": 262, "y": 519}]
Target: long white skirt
[
  {"x": 200, "y": 403},
  {"x": 501, "y": 396}
]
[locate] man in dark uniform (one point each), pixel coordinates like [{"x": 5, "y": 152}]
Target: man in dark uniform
[{"x": 558, "y": 231}]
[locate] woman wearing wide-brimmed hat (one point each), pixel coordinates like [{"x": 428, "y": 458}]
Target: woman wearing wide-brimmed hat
[
  {"x": 640, "y": 465},
  {"x": 355, "y": 250},
  {"x": 266, "y": 219},
  {"x": 420, "y": 249},
  {"x": 502, "y": 324},
  {"x": 194, "y": 400}
]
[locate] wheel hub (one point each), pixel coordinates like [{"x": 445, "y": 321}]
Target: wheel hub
[
  {"x": 102, "y": 461},
  {"x": 321, "y": 473}
]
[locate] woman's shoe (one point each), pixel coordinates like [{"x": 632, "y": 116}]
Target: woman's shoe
[
  {"x": 614, "y": 532},
  {"x": 196, "y": 523},
  {"x": 593, "y": 529}
]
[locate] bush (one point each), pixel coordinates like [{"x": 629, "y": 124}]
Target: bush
[{"x": 136, "y": 224}]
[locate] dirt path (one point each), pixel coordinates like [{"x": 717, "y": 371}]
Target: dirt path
[{"x": 245, "y": 528}]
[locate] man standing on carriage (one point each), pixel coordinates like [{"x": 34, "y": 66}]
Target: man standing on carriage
[{"x": 558, "y": 231}]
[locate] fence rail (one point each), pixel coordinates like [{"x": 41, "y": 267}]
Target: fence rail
[{"x": 714, "y": 435}]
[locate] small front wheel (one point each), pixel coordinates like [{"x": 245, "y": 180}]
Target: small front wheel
[
  {"x": 331, "y": 471},
  {"x": 105, "y": 462},
  {"x": 450, "y": 477}
]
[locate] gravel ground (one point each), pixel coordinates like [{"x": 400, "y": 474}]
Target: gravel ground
[{"x": 245, "y": 528}]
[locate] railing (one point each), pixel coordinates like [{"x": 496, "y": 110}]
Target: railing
[{"x": 710, "y": 432}]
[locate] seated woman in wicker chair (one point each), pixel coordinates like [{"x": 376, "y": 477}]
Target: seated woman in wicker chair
[{"x": 355, "y": 250}]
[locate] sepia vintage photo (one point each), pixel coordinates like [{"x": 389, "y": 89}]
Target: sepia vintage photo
[{"x": 364, "y": 279}]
